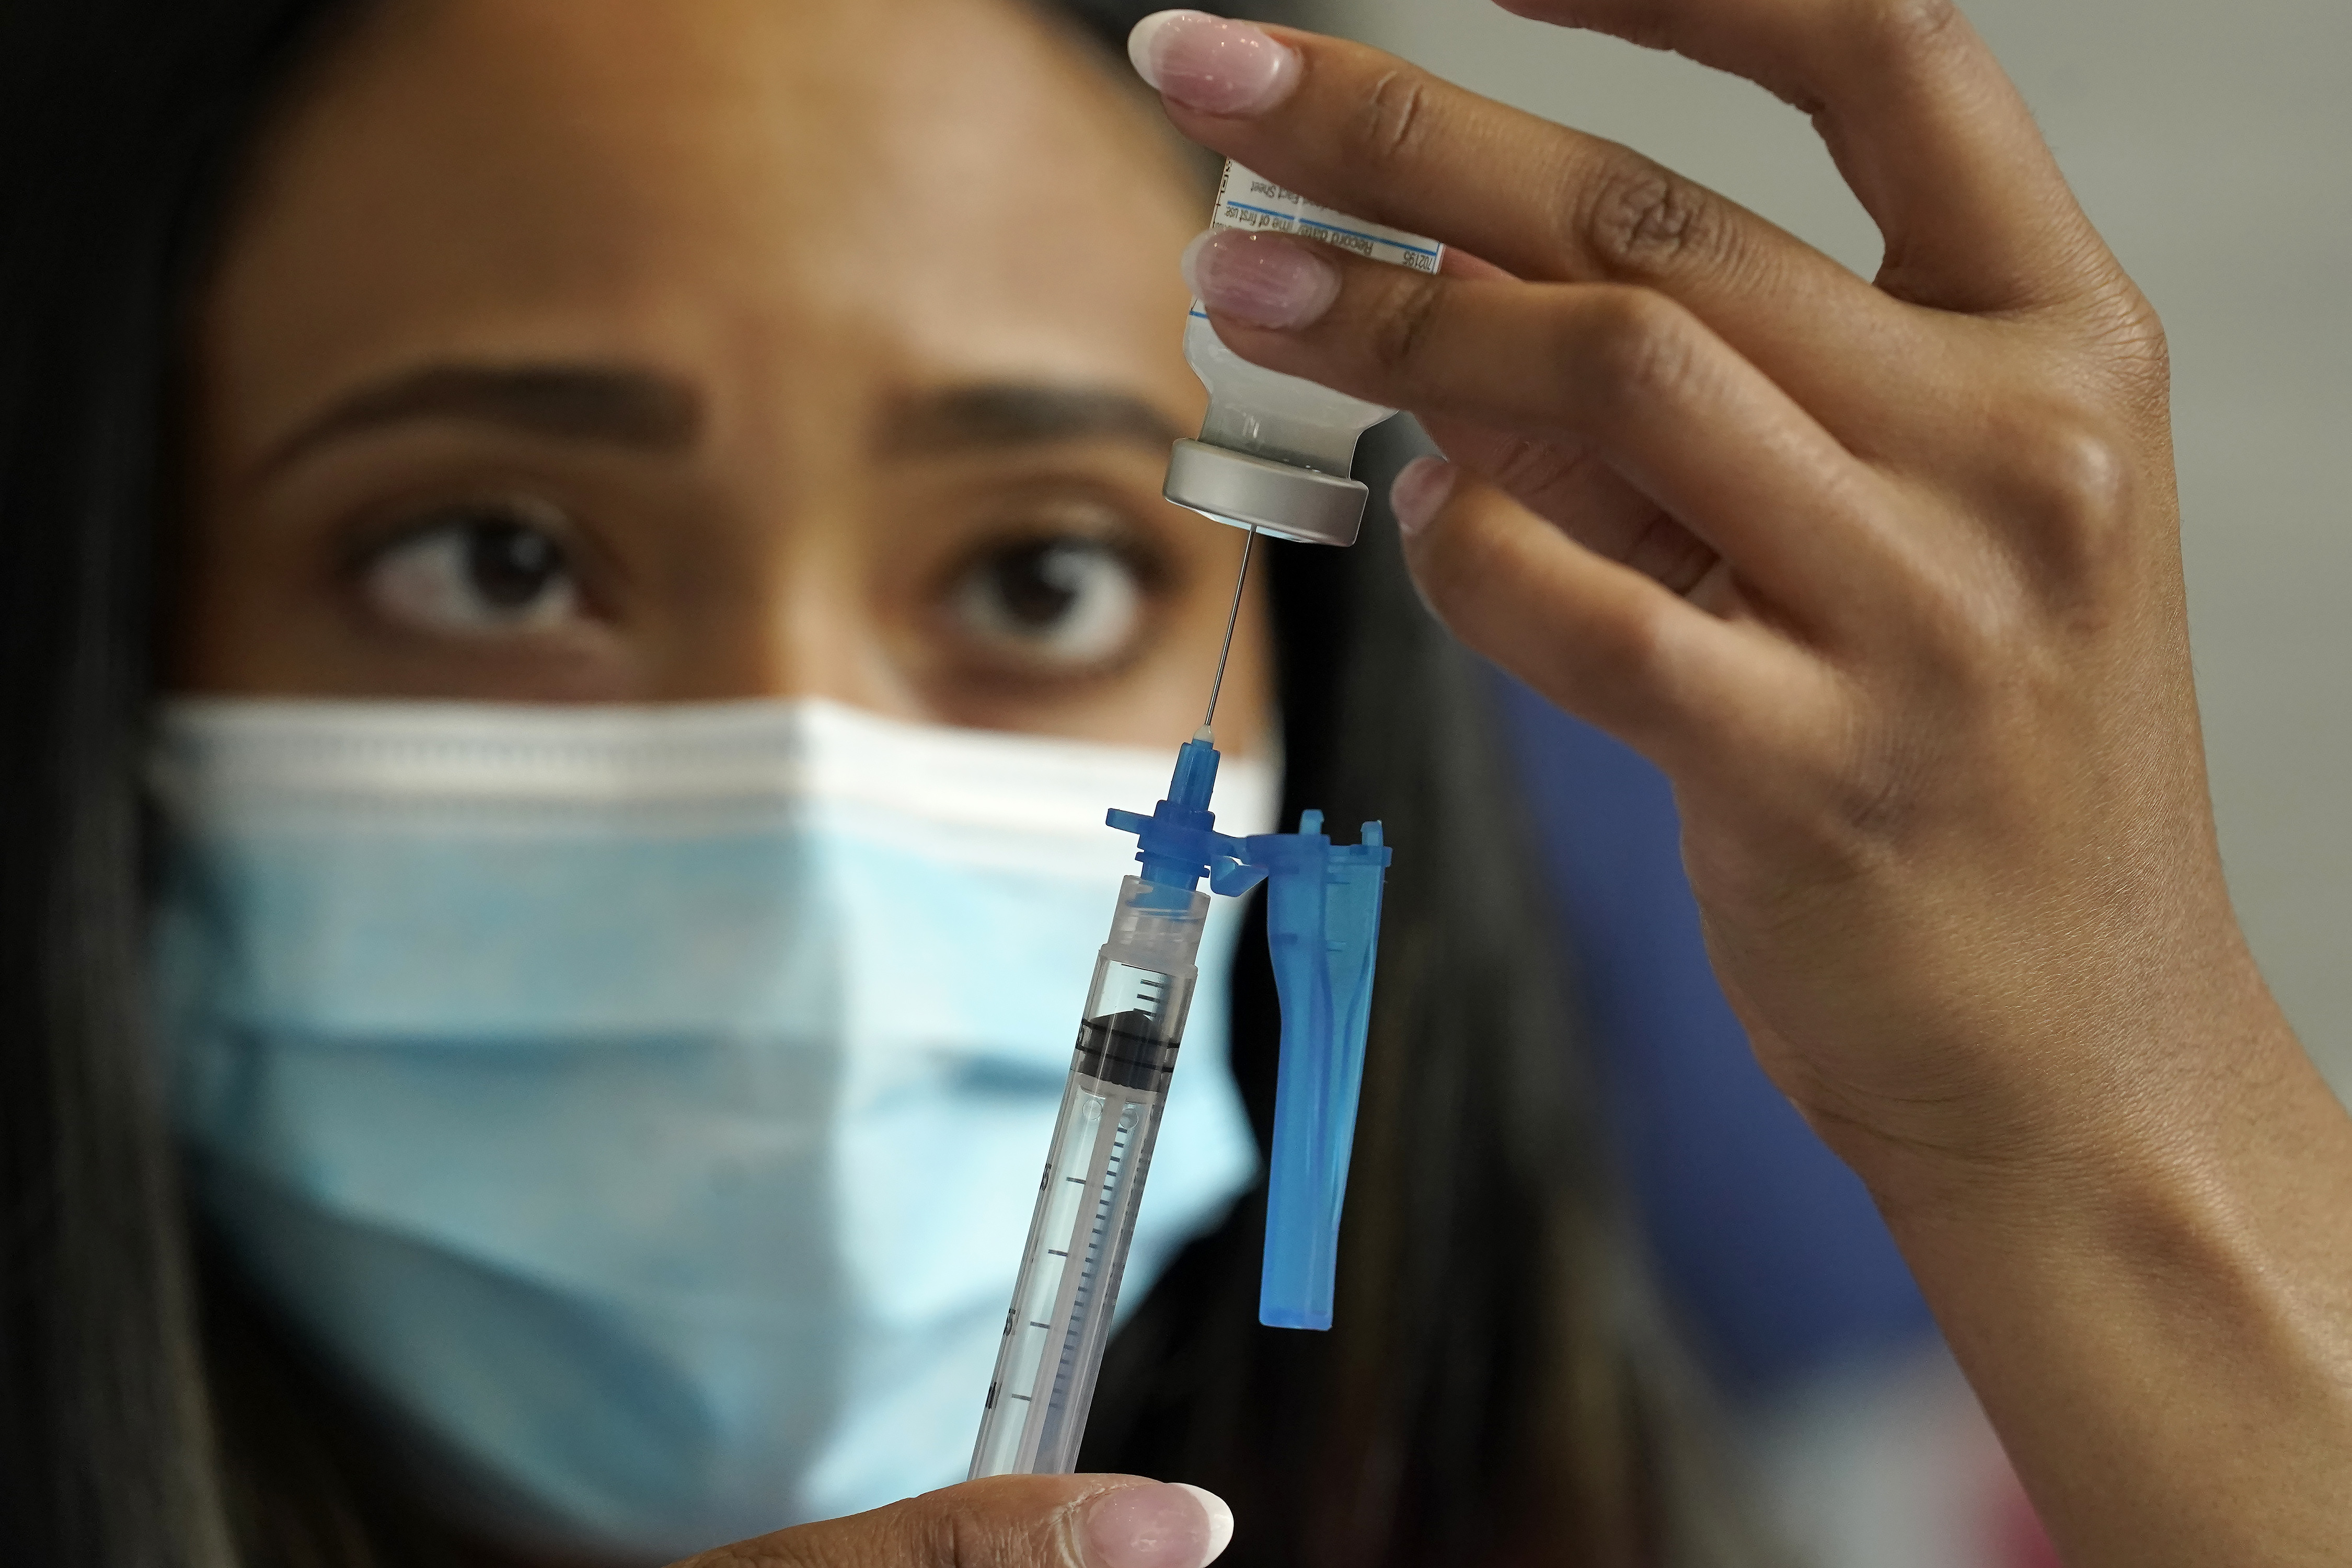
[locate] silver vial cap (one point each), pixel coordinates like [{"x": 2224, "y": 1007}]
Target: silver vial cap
[{"x": 1258, "y": 492}]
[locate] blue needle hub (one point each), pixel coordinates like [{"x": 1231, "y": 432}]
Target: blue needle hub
[{"x": 1323, "y": 925}]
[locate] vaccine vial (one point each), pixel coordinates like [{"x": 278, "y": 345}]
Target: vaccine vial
[{"x": 1275, "y": 452}]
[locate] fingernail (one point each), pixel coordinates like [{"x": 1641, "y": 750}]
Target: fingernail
[
  {"x": 1419, "y": 493},
  {"x": 1221, "y": 1518},
  {"x": 1156, "y": 1526},
  {"x": 1211, "y": 64},
  {"x": 1263, "y": 279}
]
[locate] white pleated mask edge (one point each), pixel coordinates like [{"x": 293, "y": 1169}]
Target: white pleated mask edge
[{"x": 211, "y": 754}]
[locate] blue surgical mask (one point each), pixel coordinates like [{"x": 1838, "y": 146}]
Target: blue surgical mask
[{"x": 645, "y": 1106}]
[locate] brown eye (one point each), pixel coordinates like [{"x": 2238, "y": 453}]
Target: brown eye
[
  {"x": 481, "y": 569},
  {"x": 1066, "y": 601}
]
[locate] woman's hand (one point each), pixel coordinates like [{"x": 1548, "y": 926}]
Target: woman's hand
[
  {"x": 1009, "y": 1522},
  {"x": 1886, "y": 576}
]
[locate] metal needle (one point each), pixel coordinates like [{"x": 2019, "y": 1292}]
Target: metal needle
[{"x": 1232, "y": 618}]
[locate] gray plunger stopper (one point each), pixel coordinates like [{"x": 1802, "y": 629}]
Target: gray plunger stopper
[{"x": 1273, "y": 497}]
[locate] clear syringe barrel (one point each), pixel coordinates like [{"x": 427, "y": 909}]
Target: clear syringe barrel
[{"x": 1095, "y": 1169}]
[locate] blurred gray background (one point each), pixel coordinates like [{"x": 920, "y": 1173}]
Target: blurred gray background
[{"x": 2209, "y": 143}]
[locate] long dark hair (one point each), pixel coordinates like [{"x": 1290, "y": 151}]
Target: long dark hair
[
  {"x": 117, "y": 121},
  {"x": 1497, "y": 1391}
]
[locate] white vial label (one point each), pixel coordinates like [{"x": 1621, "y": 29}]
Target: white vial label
[{"x": 1245, "y": 200}]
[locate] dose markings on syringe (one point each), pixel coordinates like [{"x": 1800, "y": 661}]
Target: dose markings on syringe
[
  {"x": 1032, "y": 1325},
  {"x": 1122, "y": 1140},
  {"x": 1126, "y": 988}
]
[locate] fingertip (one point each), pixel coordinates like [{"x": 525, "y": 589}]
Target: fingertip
[
  {"x": 1189, "y": 264},
  {"x": 1143, "y": 35},
  {"x": 1217, "y": 65},
  {"x": 1419, "y": 493},
  {"x": 1220, "y": 1519},
  {"x": 1156, "y": 1525},
  {"x": 1268, "y": 280}
]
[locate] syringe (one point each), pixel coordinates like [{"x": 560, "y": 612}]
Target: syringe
[
  {"x": 1129, "y": 1034},
  {"x": 1095, "y": 1170},
  {"x": 1323, "y": 918}
]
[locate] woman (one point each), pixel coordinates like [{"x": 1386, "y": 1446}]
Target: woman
[
  {"x": 1884, "y": 577},
  {"x": 558, "y": 356}
]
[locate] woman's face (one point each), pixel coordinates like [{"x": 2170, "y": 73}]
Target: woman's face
[{"x": 626, "y": 350}]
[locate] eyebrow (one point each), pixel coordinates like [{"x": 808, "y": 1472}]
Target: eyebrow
[
  {"x": 996, "y": 415},
  {"x": 616, "y": 404}
]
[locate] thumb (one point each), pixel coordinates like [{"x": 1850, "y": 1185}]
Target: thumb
[{"x": 1009, "y": 1522}]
